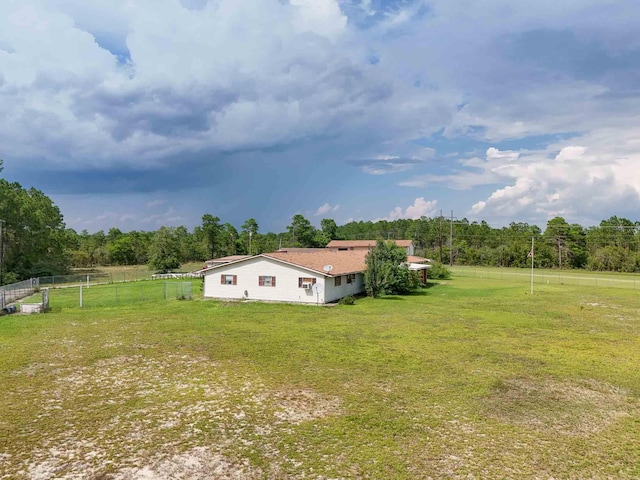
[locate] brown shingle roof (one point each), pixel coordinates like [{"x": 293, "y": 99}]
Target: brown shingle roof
[
  {"x": 230, "y": 258},
  {"x": 342, "y": 262},
  {"x": 363, "y": 243},
  {"x": 299, "y": 249}
]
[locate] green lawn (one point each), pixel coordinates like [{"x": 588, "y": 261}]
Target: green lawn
[
  {"x": 541, "y": 276},
  {"x": 467, "y": 379}
]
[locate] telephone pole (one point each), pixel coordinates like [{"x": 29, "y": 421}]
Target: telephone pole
[
  {"x": 451, "y": 240},
  {"x": 440, "y": 241},
  {"x": 1, "y": 248}
]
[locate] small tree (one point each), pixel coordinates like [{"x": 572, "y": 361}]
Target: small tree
[
  {"x": 164, "y": 252},
  {"x": 387, "y": 270},
  {"x": 211, "y": 230},
  {"x": 301, "y": 232}
]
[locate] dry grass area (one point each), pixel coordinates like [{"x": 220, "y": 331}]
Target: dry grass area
[
  {"x": 579, "y": 408},
  {"x": 462, "y": 381},
  {"x": 155, "y": 416}
]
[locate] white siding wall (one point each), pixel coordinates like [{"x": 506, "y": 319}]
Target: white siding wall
[
  {"x": 411, "y": 249},
  {"x": 333, "y": 293},
  {"x": 286, "y": 289}
]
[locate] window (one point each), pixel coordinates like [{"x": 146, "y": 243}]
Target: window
[
  {"x": 303, "y": 282},
  {"x": 229, "y": 279},
  {"x": 351, "y": 278},
  {"x": 266, "y": 281},
  {"x": 338, "y": 281}
]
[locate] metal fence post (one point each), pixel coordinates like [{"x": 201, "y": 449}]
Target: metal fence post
[{"x": 80, "y": 295}]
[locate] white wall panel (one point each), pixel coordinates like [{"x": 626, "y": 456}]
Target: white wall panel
[{"x": 248, "y": 272}]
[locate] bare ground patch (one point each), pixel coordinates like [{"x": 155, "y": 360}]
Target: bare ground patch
[
  {"x": 198, "y": 463},
  {"x": 135, "y": 417},
  {"x": 297, "y": 406},
  {"x": 549, "y": 406}
]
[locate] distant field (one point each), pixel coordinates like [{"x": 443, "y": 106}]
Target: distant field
[
  {"x": 112, "y": 274},
  {"x": 467, "y": 379},
  {"x": 552, "y": 277}
]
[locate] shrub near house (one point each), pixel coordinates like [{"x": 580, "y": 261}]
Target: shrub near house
[{"x": 387, "y": 271}]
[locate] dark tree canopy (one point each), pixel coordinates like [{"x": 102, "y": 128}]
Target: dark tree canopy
[
  {"x": 211, "y": 230},
  {"x": 301, "y": 232},
  {"x": 33, "y": 234},
  {"x": 164, "y": 252},
  {"x": 387, "y": 271}
]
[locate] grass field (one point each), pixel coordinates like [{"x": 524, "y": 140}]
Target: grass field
[
  {"x": 466, "y": 379},
  {"x": 585, "y": 278},
  {"x": 112, "y": 274}
]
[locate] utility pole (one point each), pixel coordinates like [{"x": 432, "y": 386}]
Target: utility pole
[
  {"x": 440, "y": 241},
  {"x": 1, "y": 248},
  {"x": 451, "y": 241},
  {"x": 559, "y": 254},
  {"x": 250, "y": 233}
]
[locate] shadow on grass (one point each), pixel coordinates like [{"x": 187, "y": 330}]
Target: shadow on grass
[
  {"x": 420, "y": 292},
  {"x": 424, "y": 290}
]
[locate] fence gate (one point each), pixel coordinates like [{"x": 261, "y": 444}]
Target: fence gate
[{"x": 184, "y": 291}]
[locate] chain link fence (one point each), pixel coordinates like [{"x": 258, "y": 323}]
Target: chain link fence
[
  {"x": 17, "y": 291},
  {"x": 94, "y": 278},
  {"x": 84, "y": 296}
]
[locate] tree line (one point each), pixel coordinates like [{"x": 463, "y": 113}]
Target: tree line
[{"x": 34, "y": 240}]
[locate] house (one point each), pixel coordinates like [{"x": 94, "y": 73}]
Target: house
[
  {"x": 415, "y": 263},
  {"x": 368, "y": 245},
  {"x": 301, "y": 277}
]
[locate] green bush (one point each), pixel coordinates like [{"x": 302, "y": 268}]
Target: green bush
[
  {"x": 9, "y": 278},
  {"x": 439, "y": 272},
  {"x": 348, "y": 300}
]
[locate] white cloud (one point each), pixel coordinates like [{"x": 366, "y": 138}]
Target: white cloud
[
  {"x": 169, "y": 217},
  {"x": 367, "y": 8},
  {"x": 384, "y": 168},
  {"x": 420, "y": 208},
  {"x": 385, "y": 164},
  {"x": 322, "y": 17},
  {"x": 565, "y": 179},
  {"x": 144, "y": 83},
  {"x": 190, "y": 83},
  {"x": 326, "y": 208}
]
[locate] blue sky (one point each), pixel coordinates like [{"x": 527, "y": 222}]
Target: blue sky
[{"x": 141, "y": 113}]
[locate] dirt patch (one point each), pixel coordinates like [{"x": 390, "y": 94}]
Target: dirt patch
[
  {"x": 197, "y": 464},
  {"x": 173, "y": 417},
  {"x": 550, "y": 406},
  {"x": 297, "y": 406}
]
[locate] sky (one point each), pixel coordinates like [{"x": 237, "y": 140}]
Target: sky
[{"x": 141, "y": 113}]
